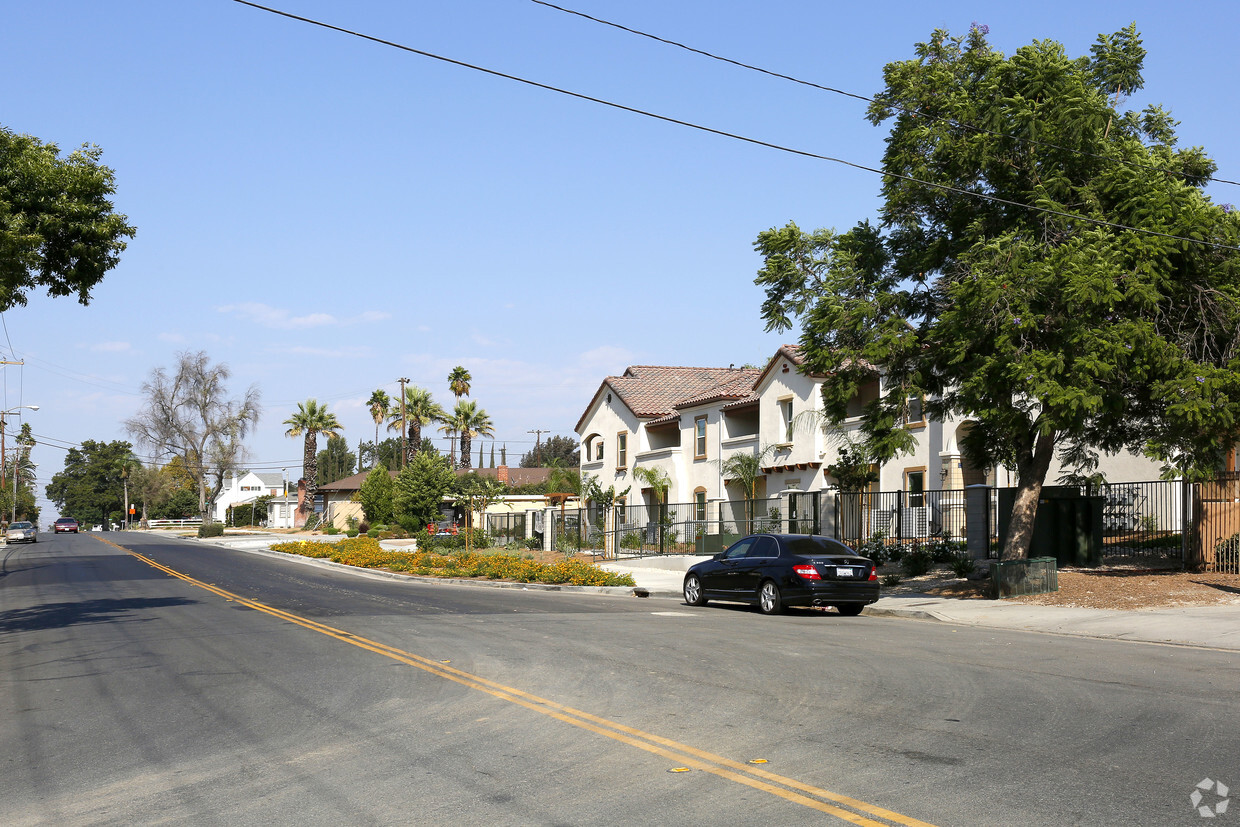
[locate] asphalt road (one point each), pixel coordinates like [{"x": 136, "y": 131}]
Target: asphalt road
[{"x": 213, "y": 686}]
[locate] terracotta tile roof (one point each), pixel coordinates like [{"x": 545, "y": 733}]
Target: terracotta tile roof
[
  {"x": 657, "y": 393},
  {"x": 653, "y": 391}
]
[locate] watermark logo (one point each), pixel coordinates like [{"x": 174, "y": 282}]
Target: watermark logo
[{"x": 1208, "y": 791}]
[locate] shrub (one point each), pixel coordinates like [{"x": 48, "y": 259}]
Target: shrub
[
  {"x": 363, "y": 526},
  {"x": 891, "y": 579},
  {"x": 366, "y": 552},
  {"x": 963, "y": 566},
  {"x": 331, "y": 529},
  {"x": 916, "y": 562},
  {"x": 946, "y": 551},
  {"x": 211, "y": 530},
  {"x": 350, "y": 533},
  {"x": 631, "y": 539},
  {"x": 533, "y": 543},
  {"x": 373, "y": 533}
]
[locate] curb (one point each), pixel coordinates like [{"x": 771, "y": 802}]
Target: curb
[{"x": 607, "y": 591}]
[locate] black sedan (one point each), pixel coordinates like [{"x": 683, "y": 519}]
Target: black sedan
[{"x": 779, "y": 570}]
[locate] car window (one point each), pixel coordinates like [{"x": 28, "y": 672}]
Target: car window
[
  {"x": 20, "y": 525},
  {"x": 738, "y": 549},
  {"x": 763, "y": 547},
  {"x": 811, "y": 546}
]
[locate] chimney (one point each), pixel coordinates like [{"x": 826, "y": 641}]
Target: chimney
[
  {"x": 299, "y": 516},
  {"x": 501, "y": 474}
]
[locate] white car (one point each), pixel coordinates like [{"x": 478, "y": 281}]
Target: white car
[{"x": 21, "y": 532}]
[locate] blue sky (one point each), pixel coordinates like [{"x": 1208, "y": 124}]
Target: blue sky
[{"x": 325, "y": 214}]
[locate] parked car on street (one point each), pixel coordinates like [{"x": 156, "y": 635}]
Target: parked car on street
[
  {"x": 65, "y": 524},
  {"x": 774, "y": 571},
  {"x": 21, "y": 532}
]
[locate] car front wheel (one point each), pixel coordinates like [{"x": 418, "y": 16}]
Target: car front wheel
[
  {"x": 769, "y": 599},
  {"x": 693, "y": 591}
]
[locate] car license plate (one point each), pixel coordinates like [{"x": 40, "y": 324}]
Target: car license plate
[{"x": 844, "y": 571}]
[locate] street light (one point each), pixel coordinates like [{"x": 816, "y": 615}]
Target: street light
[{"x": 17, "y": 464}]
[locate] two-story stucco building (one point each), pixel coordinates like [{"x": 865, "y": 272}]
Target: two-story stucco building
[{"x": 687, "y": 421}]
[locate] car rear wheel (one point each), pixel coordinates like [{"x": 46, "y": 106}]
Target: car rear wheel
[
  {"x": 850, "y": 609},
  {"x": 693, "y": 591},
  {"x": 770, "y": 601}
]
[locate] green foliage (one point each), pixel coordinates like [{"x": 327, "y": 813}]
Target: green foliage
[
  {"x": 57, "y": 226},
  {"x": 331, "y": 529},
  {"x": 376, "y": 495},
  {"x": 963, "y": 566},
  {"x": 336, "y": 461},
  {"x": 1049, "y": 329},
  {"x": 892, "y": 579},
  {"x": 211, "y": 530},
  {"x": 420, "y": 488},
  {"x": 90, "y": 486},
  {"x": 366, "y": 552},
  {"x": 351, "y": 533},
  {"x": 916, "y": 563},
  {"x": 563, "y": 449}
]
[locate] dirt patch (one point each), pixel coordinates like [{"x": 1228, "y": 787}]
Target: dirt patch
[{"x": 1119, "y": 584}]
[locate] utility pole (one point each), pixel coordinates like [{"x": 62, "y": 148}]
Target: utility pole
[
  {"x": 538, "y": 445},
  {"x": 404, "y": 426}
]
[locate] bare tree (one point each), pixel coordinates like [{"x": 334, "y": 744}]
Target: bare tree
[{"x": 189, "y": 416}]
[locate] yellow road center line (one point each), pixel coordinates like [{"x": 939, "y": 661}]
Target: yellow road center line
[{"x": 740, "y": 772}]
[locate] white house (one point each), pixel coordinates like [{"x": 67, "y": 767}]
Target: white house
[{"x": 239, "y": 490}]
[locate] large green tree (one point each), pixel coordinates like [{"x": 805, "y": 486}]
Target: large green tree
[
  {"x": 310, "y": 420},
  {"x": 335, "y": 461},
  {"x": 18, "y": 473},
  {"x": 57, "y": 226},
  {"x": 375, "y": 495},
  {"x": 562, "y": 448},
  {"x": 91, "y": 488},
  {"x": 420, "y": 488},
  {"x": 1046, "y": 267}
]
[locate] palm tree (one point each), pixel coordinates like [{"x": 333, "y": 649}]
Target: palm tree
[
  {"x": 379, "y": 404},
  {"x": 311, "y": 420},
  {"x": 421, "y": 409},
  {"x": 469, "y": 421},
  {"x": 458, "y": 383},
  {"x": 746, "y": 469}
]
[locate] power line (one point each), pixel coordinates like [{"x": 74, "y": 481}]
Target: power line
[
  {"x": 734, "y": 136},
  {"x": 868, "y": 99}
]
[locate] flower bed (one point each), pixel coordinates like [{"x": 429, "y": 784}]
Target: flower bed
[{"x": 365, "y": 552}]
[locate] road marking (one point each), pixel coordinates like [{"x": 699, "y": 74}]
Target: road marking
[{"x": 789, "y": 789}]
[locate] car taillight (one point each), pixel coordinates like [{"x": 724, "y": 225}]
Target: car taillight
[
  {"x": 874, "y": 573},
  {"x": 807, "y": 571}
]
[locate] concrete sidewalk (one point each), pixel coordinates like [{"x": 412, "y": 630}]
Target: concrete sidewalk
[{"x": 1214, "y": 627}]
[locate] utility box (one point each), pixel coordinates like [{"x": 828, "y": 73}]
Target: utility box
[
  {"x": 1068, "y": 526},
  {"x": 1011, "y": 578}
]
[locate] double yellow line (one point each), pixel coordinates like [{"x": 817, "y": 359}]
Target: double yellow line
[{"x": 790, "y": 789}]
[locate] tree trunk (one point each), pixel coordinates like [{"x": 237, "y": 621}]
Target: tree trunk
[
  {"x": 310, "y": 471},
  {"x": 1031, "y": 471},
  {"x": 413, "y": 442},
  {"x": 466, "y": 446}
]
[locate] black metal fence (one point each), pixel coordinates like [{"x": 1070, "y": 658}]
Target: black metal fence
[
  {"x": 1138, "y": 519},
  {"x": 1167, "y": 519},
  {"x": 506, "y": 528}
]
